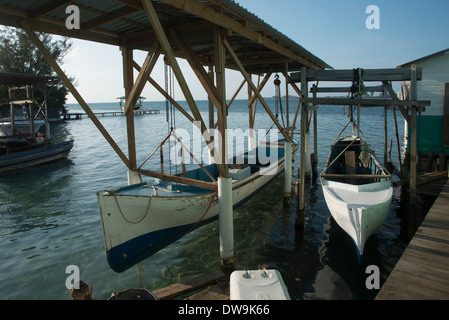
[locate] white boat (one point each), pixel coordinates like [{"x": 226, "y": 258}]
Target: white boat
[
  {"x": 21, "y": 126},
  {"x": 357, "y": 189},
  {"x": 137, "y": 106},
  {"x": 141, "y": 219}
]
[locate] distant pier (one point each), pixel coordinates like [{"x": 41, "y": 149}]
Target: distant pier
[{"x": 79, "y": 115}]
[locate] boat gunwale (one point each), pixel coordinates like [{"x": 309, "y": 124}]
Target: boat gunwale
[{"x": 235, "y": 185}]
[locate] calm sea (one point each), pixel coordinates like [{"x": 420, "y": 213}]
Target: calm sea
[{"x": 49, "y": 217}]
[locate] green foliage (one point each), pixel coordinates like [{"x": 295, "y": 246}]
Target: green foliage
[{"x": 19, "y": 54}]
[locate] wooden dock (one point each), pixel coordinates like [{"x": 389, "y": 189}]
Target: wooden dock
[
  {"x": 422, "y": 273},
  {"x": 212, "y": 286},
  {"x": 80, "y": 115}
]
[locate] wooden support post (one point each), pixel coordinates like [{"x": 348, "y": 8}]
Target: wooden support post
[
  {"x": 286, "y": 95},
  {"x": 211, "y": 117},
  {"x": 47, "y": 55},
  {"x": 252, "y": 139},
  {"x": 304, "y": 114},
  {"x": 220, "y": 60},
  {"x": 226, "y": 214},
  {"x": 315, "y": 144},
  {"x": 128, "y": 82},
  {"x": 385, "y": 138},
  {"x": 397, "y": 141},
  {"x": 413, "y": 152},
  {"x": 288, "y": 170},
  {"x": 253, "y": 99},
  {"x": 31, "y": 116},
  {"x": 132, "y": 93},
  {"x": 308, "y": 161},
  {"x": 299, "y": 221}
]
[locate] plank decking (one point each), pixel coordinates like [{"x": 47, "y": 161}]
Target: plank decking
[{"x": 422, "y": 273}]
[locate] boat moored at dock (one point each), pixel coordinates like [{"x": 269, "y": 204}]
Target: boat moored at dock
[
  {"x": 141, "y": 219},
  {"x": 357, "y": 189}
]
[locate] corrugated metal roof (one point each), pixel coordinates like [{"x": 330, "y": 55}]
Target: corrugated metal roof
[{"x": 259, "y": 45}]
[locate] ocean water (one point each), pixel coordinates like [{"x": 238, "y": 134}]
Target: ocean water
[{"x": 49, "y": 217}]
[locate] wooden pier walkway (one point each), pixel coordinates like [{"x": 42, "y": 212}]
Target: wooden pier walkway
[
  {"x": 79, "y": 115},
  {"x": 212, "y": 286},
  {"x": 422, "y": 273}
]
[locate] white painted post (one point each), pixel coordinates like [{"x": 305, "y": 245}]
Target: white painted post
[
  {"x": 307, "y": 166},
  {"x": 226, "y": 222},
  {"x": 288, "y": 170},
  {"x": 133, "y": 177}
]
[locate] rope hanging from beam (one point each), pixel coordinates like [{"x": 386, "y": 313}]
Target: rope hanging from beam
[
  {"x": 170, "y": 109},
  {"x": 278, "y": 99}
]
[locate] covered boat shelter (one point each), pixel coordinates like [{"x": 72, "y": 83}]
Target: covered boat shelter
[{"x": 213, "y": 34}]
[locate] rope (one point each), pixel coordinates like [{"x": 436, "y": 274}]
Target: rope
[
  {"x": 123, "y": 215},
  {"x": 212, "y": 199},
  {"x": 278, "y": 99}
]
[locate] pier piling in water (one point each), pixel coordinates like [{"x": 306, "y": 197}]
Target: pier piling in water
[
  {"x": 226, "y": 223},
  {"x": 288, "y": 170}
]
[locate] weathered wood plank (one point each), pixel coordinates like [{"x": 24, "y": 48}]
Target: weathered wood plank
[
  {"x": 348, "y": 75},
  {"x": 405, "y": 289},
  {"x": 189, "y": 285},
  {"x": 219, "y": 291},
  {"x": 365, "y": 102},
  {"x": 178, "y": 179},
  {"x": 422, "y": 271}
]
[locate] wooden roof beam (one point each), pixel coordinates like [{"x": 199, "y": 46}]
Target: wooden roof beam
[
  {"x": 348, "y": 75},
  {"x": 206, "y": 12},
  {"x": 59, "y": 28}
]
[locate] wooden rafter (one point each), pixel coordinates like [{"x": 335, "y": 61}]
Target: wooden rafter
[{"x": 206, "y": 12}]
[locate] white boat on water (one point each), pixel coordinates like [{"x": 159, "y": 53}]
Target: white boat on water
[
  {"x": 357, "y": 189},
  {"x": 20, "y": 126},
  {"x": 141, "y": 219},
  {"x": 122, "y": 103}
]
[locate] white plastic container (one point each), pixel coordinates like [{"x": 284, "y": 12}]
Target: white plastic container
[{"x": 258, "y": 285}]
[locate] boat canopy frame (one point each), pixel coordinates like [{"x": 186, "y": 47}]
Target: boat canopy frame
[{"x": 218, "y": 34}]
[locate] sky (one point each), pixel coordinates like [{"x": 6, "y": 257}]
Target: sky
[{"x": 333, "y": 30}]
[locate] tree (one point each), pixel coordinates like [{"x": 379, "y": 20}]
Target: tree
[{"x": 19, "y": 54}]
